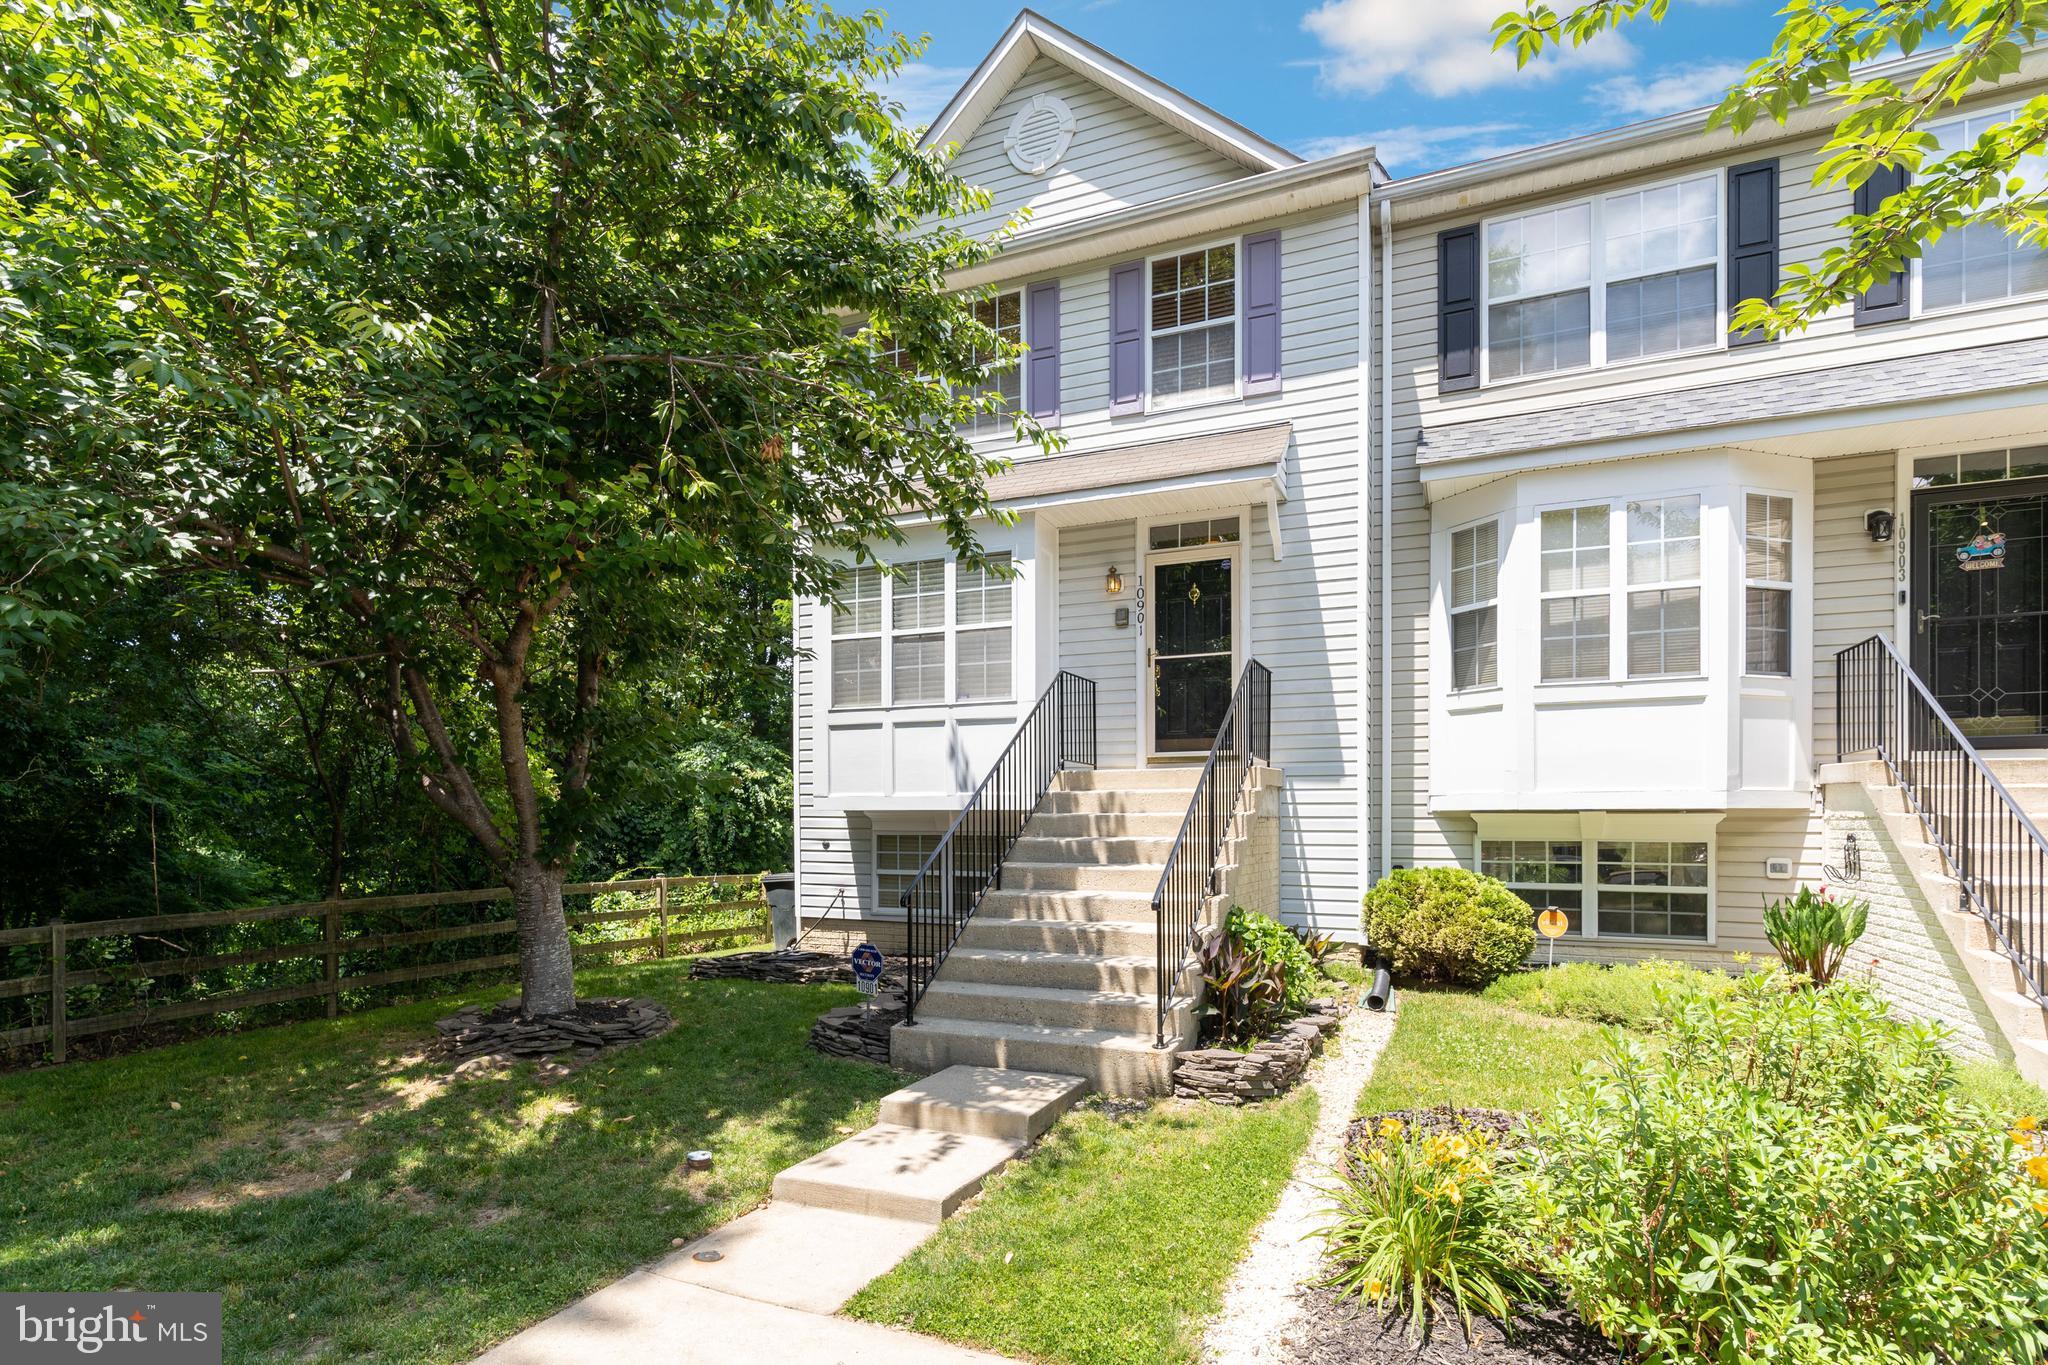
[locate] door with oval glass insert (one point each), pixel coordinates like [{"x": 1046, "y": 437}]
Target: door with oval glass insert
[
  {"x": 1980, "y": 607},
  {"x": 1193, "y": 569}
]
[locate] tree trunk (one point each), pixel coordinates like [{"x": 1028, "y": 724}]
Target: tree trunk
[{"x": 547, "y": 981}]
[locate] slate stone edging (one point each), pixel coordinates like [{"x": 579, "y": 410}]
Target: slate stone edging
[
  {"x": 859, "y": 1031},
  {"x": 1273, "y": 1067}
]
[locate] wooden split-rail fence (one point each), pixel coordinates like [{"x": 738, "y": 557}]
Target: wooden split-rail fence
[{"x": 671, "y": 931}]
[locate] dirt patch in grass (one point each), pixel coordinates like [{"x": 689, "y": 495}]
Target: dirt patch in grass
[
  {"x": 217, "y": 1199},
  {"x": 1330, "y": 1332}
]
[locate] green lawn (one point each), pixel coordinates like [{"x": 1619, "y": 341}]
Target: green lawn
[
  {"x": 1450, "y": 1047},
  {"x": 1112, "y": 1244},
  {"x": 353, "y": 1206}
]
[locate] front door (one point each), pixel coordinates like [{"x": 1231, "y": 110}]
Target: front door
[
  {"x": 1980, "y": 607},
  {"x": 1193, "y": 616}
]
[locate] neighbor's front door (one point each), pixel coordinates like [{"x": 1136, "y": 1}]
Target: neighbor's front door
[
  {"x": 1980, "y": 607},
  {"x": 1193, "y": 646}
]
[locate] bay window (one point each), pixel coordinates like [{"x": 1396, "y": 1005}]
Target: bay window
[
  {"x": 1194, "y": 325},
  {"x": 947, "y": 636},
  {"x": 857, "y": 639},
  {"x": 917, "y": 632},
  {"x": 1621, "y": 277},
  {"x": 1982, "y": 262},
  {"x": 1767, "y": 584},
  {"x": 1664, "y": 586},
  {"x": 1475, "y": 590},
  {"x": 1573, "y": 593},
  {"x": 981, "y": 613}
]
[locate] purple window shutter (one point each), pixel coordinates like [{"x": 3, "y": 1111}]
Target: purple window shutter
[
  {"x": 1042, "y": 335},
  {"x": 1261, "y": 256},
  {"x": 1127, "y": 338}
]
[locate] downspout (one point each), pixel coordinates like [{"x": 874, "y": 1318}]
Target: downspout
[{"x": 1386, "y": 536}]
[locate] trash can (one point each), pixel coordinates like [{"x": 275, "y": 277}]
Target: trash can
[{"x": 780, "y": 889}]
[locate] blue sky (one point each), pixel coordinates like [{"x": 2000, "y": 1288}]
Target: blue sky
[{"x": 1417, "y": 78}]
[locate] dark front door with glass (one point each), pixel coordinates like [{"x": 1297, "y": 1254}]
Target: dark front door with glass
[
  {"x": 1192, "y": 611},
  {"x": 1980, "y": 606}
]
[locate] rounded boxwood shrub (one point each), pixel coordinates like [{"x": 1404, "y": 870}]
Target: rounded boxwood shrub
[{"x": 1447, "y": 924}]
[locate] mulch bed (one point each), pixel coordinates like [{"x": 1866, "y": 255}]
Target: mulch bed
[
  {"x": 1332, "y": 1333},
  {"x": 1502, "y": 1125},
  {"x": 480, "y": 1036}
]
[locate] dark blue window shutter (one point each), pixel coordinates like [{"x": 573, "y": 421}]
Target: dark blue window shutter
[
  {"x": 1890, "y": 300},
  {"x": 1261, "y": 257},
  {"x": 1042, "y": 335},
  {"x": 1752, "y": 240},
  {"x": 1127, "y": 338},
  {"x": 1457, "y": 309}
]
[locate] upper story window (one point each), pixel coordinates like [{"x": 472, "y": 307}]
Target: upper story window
[
  {"x": 1002, "y": 314},
  {"x": 1475, "y": 613},
  {"x": 1194, "y": 325},
  {"x": 1620, "y": 277},
  {"x": 1982, "y": 262},
  {"x": 1767, "y": 585},
  {"x": 1664, "y": 586},
  {"x": 948, "y": 634}
]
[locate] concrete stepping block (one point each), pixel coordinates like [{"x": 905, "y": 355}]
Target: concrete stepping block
[
  {"x": 796, "y": 1255},
  {"x": 985, "y": 1101},
  {"x": 897, "y": 1172}
]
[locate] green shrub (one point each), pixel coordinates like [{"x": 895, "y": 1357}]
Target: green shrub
[
  {"x": 1812, "y": 931},
  {"x": 1447, "y": 924},
  {"x": 1790, "y": 1176},
  {"x": 1420, "y": 1215},
  {"x": 1257, "y": 974},
  {"x": 1632, "y": 994}
]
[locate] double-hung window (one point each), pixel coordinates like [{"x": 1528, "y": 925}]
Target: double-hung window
[
  {"x": 1767, "y": 584},
  {"x": 1550, "y": 874},
  {"x": 1983, "y": 261},
  {"x": 1664, "y": 586},
  {"x": 1194, "y": 325},
  {"x": 857, "y": 638},
  {"x": 1573, "y": 593},
  {"x": 1002, "y": 314},
  {"x": 1620, "y": 277},
  {"x": 1475, "y": 609},
  {"x": 981, "y": 616},
  {"x": 917, "y": 633}
]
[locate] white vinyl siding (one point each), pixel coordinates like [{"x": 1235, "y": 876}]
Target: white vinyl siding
[
  {"x": 857, "y": 639},
  {"x": 1475, "y": 609},
  {"x": 1767, "y": 584},
  {"x": 1192, "y": 313},
  {"x": 1664, "y": 586},
  {"x": 1573, "y": 593},
  {"x": 1982, "y": 262}
]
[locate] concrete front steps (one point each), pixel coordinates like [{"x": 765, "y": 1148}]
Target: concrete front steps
[
  {"x": 2021, "y": 1019},
  {"x": 937, "y": 1141},
  {"x": 1058, "y": 969}
]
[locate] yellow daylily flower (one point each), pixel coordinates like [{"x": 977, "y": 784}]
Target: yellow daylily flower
[
  {"x": 1391, "y": 1127},
  {"x": 2037, "y": 1167}
]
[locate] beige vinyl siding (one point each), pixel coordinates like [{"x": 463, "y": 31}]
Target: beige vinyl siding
[
  {"x": 1854, "y": 579},
  {"x": 1120, "y": 156}
]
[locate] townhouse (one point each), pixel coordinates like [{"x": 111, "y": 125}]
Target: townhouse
[{"x": 1437, "y": 520}]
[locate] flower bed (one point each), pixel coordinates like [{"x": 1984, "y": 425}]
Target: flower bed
[{"x": 1275, "y": 1066}]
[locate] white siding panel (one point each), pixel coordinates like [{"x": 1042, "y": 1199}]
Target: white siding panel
[
  {"x": 1090, "y": 643},
  {"x": 1853, "y": 578}
]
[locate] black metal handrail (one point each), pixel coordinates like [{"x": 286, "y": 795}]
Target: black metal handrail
[
  {"x": 968, "y": 863},
  {"x": 1996, "y": 853},
  {"x": 1189, "y": 878}
]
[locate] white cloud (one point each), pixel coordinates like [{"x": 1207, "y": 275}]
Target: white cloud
[
  {"x": 1440, "y": 47},
  {"x": 1667, "y": 91},
  {"x": 1416, "y": 147},
  {"x": 923, "y": 89}
]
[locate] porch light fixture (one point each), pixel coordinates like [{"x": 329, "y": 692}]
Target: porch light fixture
[
  {"x": 1114, "y": 582},
  {"x": 1878, "y": 522}
]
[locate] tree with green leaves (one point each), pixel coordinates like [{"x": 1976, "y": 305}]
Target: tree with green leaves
[
  {"x": 1880, "y": 120},
  {"x": 489, "y": 349}
]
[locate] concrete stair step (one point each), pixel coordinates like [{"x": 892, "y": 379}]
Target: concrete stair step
[
  {"x": 1024, "y": 876},
  {"x": 1132, "y": 779},
  {"x": 1129, "y": 801},
  {"x": 1105, "y": 825},
  {"x": 2028, "y": 771},
  {"x": 1127, "y": 1012},
  {"x": 1136, "y": 973},
  {"x": 1093, "y": 851},
  {"x": 1114, "y": 1063},
  {"x": 2030, "y": 1058},
  {"x": 895, "y": 1171},
  {"x": 984, "y": 1101},
  {"x": 1052, "y": 903},
  {"x": 1107, "y": 937}
]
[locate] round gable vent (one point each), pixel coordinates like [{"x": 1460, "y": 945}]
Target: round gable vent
[{"x": 1040, "y": 134}]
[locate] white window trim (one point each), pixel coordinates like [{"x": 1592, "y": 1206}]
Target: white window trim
[
  {"x": 1588, "y": 829},
  {"x": 1617, "y": 567},
  {"x": 1451, "y": 612},
  {"x": 875, "y": 837},
  {"x": 951, "y": 630},
  {"x": 1598, "y": 279},
  {"x": 1176, "y": 403},
  {"x": 1627, "y": 586},
  {"x": 972, "y": 429},
  {"x": 1915, "y": 304},
  {"x": 1789, "y": 586}
]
